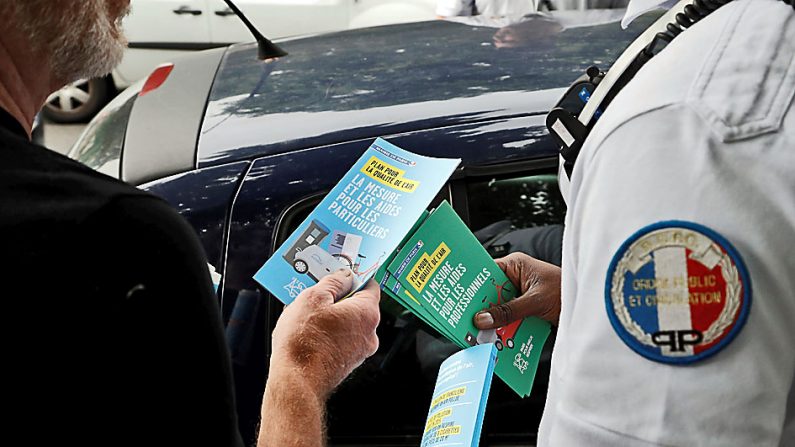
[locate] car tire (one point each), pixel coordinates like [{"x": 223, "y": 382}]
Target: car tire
[
  {"x": 300, "y": 266},
  {"x": 499, "y": 345},
  {"x": 79, "y": 101},
  {"x": 509, "y": 343}
]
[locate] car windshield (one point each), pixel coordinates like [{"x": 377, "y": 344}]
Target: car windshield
[{"x": 463, "y": 68}]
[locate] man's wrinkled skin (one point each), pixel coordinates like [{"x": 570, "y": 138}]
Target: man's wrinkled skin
[
  {"x": 539, "y": 292},
  {"x": 316, "y": 344}
]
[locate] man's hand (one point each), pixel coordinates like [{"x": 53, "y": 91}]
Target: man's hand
[
  {"x": 316, "y": 344},
  {"x": 324, "y": 340},
  {"x": 539, "y": 288}
]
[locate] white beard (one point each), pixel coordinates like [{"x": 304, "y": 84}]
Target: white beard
[{"x": 81, "y": 42}]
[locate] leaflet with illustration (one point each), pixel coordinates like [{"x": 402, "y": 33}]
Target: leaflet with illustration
[
  {"x": 459, "y": 398},
  {"x": 444, "y": 276},
  {"x": 360, "y": 223}
]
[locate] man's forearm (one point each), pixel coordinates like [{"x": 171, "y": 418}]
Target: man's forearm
[{"x": 293, "y": 414}]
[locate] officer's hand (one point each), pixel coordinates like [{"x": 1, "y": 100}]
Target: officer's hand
[
  {"x": 324, "y": 341},
  {"x": 539, "y": 292}
]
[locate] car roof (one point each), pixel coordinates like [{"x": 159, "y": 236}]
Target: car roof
[{"x": 361, "y": 84}]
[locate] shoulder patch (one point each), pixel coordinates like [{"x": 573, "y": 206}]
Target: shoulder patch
[{"x": 677, "y": 292}]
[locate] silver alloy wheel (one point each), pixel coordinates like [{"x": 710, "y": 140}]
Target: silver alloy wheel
[
  {"x": 78, "y": 101},
  {"x": 71, "y": 96},
  {"x": 300, "y": 266}
]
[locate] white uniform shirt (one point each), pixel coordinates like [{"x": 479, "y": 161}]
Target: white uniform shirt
[{"x": 704, "y": 134}]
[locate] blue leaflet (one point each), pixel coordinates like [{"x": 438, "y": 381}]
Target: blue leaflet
[
  {"x": 459, "y": 399},
  {"x": 360, "y": 222}
]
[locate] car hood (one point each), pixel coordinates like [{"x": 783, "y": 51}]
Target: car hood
[{"x": 388, "y": 80}]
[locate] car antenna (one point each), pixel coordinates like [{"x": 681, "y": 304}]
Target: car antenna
[{"x": 266, "y": 48}]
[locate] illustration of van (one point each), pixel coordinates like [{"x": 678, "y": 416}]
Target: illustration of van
[
  {"x": 313, "y": 235},
  {"x": 316, "y": 262},
  {"x": 309, "y": 258}
]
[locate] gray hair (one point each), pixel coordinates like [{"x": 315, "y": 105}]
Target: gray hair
[{"x": 79, "y": 39}]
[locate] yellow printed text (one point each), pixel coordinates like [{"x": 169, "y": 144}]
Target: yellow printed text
[
  {"x": 389, "y": 175},
  {"x": 424, "y": 268}
]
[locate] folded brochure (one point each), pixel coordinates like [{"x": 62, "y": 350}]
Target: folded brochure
[
  {"x": 360, "y": 222},
  {"x": 444, "y": 276},
  {"x": 459, "y": 398}
]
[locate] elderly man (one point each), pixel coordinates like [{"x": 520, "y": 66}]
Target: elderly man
[{"x": 112, "y": 329}]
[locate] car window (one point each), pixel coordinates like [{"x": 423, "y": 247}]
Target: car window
[{"x": 524, "y": 202}]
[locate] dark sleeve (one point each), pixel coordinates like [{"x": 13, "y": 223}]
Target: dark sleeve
[
  {"x": 165, "y": 363},
  {"x": 544, "y": 243}
]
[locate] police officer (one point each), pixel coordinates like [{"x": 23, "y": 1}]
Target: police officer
[{"x": 677, "y": 302}]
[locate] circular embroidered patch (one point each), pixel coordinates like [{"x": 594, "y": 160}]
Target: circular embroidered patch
[{"x": 677, "y": 292}]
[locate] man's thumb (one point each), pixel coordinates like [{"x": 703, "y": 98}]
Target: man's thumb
[{"x": 332, "y": 287}]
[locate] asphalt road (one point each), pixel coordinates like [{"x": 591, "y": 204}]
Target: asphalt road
[{"x": 60, "y": 137}]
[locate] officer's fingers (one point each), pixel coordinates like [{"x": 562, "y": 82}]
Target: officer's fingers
[
  {"x": 527, "y": 305},
  {"x": 514, "y": 266},
  {"x": 329, "y": 289},
  {"x": 503, "y": 314}
]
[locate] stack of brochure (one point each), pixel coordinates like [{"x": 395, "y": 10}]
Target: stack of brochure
[
  {"x": 443, "y": 275},
  {"x": 375, "y": 220}
]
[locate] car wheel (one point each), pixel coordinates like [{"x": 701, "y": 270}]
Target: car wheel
[
  {"x": 78, "y": 101},
  {"x": 509, "y": 342},
  {"x": 300, "y": 266},
  {"x": 499, "y": 345}
]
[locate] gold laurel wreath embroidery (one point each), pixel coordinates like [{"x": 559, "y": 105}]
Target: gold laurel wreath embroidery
[
  {"x": 617, "y": 296},
  {"x": 724, "y": 320},
  {"x": 733, "y": 290}
]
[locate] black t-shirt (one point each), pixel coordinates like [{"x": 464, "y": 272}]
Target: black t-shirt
[{"x": 111, "y": 329}]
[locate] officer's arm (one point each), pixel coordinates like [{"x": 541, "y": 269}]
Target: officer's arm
[{"x": 675, "y": 267}]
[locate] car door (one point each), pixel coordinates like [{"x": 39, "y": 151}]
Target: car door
[
  {"x": 277, "y": 194},
  {"x": 277, "y": 18},
  {"x": 168, "y": 22},
  {"x": 158, "y": 31}
]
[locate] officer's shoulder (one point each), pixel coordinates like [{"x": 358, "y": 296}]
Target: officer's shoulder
[
  {"x": 733, "y": 70},
  {"x": 745, "y": 85}
]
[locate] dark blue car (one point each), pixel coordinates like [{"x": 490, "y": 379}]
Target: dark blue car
[{"x": 244, "y": 149}]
